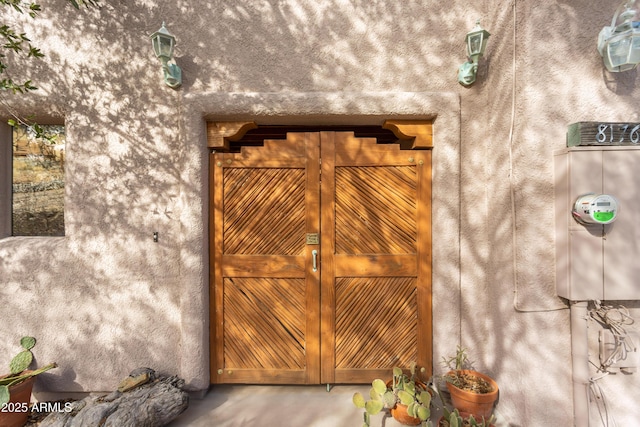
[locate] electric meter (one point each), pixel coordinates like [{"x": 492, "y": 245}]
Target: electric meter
[{"x": 595, "y": 209}]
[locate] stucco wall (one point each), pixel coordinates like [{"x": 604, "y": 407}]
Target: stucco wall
[{"x": 106, "y": 298}]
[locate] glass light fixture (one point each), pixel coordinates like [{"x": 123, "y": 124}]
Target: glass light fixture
[
  {"x": 619, "y": 44},
  {"x": 476, "y": 41},
  {"x": 163, "y": 44}
]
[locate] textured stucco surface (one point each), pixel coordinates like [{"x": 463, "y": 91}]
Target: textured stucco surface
[{"x": 106, "y": 299}]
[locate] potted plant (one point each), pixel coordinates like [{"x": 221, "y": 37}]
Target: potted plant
[
  {"x": 406, "y": 398},
  {"x": 471, "y": 392},
  {"x": 462, "y": 419},
  {"x": 15, "y": 387}
]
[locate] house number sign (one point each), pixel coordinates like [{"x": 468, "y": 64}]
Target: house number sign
[{"x": 603, "y": 133}]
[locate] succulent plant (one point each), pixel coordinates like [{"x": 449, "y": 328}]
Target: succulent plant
[
  {"x": 17, "y": 366},
  {"x": 455, "y": 419},
  {"x": 457, "y": 362},
  {"x": 402, "y": 389}
]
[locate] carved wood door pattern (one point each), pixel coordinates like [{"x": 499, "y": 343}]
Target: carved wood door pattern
[{"x": 321, "y": 260}]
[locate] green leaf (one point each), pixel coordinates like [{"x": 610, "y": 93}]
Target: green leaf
[
  {"x": 423, "y": 412},
  {"x": 405, "y": 398},
  {"x": 411, "y": 410},
  {"x": 389, "y": 399},
  {"x": 446, "y": 413},
  {"x": 27, "y": 342},
  {"x": 373, "y": 406},
  {"x": 425, "y": 398},
  {"x": 4, "y": 395},
  {"x": 20, "y": 362},
  {"x": 379, "y": 386},
  {"x": 411, "y": 388},
  {"x": 358, "y": 400}
]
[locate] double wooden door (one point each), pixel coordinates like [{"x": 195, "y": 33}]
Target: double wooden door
[{"x": 320, "y": 260}]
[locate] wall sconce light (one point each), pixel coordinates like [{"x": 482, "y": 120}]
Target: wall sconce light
[
  {"x": 619, "y": 44},
  {"x": 163, "y": 44},
  {"x": 476, "y": 44}
]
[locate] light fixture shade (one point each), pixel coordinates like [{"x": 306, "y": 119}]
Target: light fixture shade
[
  {"x": 619, "y": 44},
  {"x": 163, "y": 43},
  {"x": 476, "y": 42}
]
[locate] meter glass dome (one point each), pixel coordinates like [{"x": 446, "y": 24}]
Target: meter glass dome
[{"x": 595, "y": 209}]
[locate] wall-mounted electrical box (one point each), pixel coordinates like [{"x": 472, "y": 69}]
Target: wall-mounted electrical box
[{"x": 597, "y": 219}]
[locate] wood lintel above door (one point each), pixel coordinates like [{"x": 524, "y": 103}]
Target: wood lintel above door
[
  {"x": 410, "y": 134},
  {"x": 419, "y": 132},
  {"x": 221, "y": 134}
]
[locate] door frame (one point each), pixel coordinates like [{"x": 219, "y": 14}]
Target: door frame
[{"x": 413, "y": 134}]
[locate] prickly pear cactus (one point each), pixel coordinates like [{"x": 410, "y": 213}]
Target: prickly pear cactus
[
  {"x": 20, "y": 362},
  {"x": 389, "y": 399},
  {"x": 17, "y": 367},
  {"x": 23, "y": 359},
  {"x": 4, "y": 394},
  {"x": 27, "y": 342},
  {"x": 358, "y": 400}
]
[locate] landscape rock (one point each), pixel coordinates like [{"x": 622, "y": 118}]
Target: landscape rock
[{"x": 146, "y": 401}]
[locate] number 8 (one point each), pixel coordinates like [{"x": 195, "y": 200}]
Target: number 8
[{"x": 601, "y": 137}]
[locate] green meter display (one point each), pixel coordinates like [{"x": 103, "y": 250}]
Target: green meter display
[{"x": 595, "y": 209}]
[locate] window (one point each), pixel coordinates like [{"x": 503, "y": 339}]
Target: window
[{"x": 38, "y": 181}]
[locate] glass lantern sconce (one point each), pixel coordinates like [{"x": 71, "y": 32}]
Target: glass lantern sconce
[
  {"x": 476, "y": 41},
  {"x": 619, "y": 44},
  {"x": 163, "y": 44}
]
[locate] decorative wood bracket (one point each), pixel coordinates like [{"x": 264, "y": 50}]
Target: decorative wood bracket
[
  {"x": 419, "y": 133},
  {"x": 220, "y": 134}
]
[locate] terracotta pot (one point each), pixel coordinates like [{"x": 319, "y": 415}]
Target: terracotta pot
[
  {"x": 479, "y": 405},
  {"x": 19, "y": 404},
  {"x": 400, "y": 414}
]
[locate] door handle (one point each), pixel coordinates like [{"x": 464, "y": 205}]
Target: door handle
[{"x": 314, "y": 254}]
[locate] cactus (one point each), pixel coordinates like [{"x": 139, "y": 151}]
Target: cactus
[
  {"x": 17, "y": 366},
  {"x": 27, "y": 342},
  {"x": 23, "y": 359},
  {"x": 358, "y": 400},
  {"x": 454, "y": 419},
  {"x": 402, "y": 389},
  {"x": 20, "y": 362}
]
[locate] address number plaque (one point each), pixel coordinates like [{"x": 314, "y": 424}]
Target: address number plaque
[{"x": 603, "y": 133}]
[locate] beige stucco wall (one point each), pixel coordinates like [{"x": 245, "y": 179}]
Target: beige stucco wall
[{"x": 106, "y": 299}]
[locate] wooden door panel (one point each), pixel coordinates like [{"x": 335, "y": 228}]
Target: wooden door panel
[
  {"x": 373, "y": 245},
  {"x": 376, "y": 322},
  {"x": 255, "y": 224},
  {"x": 268, "y": 314},
  {"x": 266, "y": 296},
  {"x": 375, "y": 210}
]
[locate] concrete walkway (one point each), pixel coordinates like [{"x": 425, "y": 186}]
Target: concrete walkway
[{"x": 278, "y": 406}]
